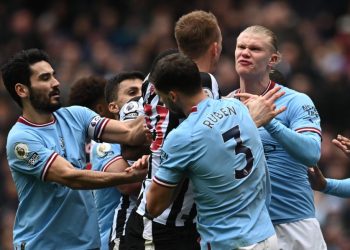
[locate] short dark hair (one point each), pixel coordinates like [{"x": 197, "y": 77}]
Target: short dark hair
[
  {"x": 176, "y": 72},
  {"x": 17, "y": 70},
  {"x": 113, "y": 83},
  {"x": 162, "y": 54},
  {"x": 87, "y": 91}
]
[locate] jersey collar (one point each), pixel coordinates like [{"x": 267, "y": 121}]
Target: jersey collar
[
  {"x": 23, "y": 120},
  {"x": 271, "y": 85}
]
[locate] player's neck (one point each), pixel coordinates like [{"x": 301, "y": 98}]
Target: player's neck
[
  {"x": 254, "y": 85},
  {"x": 189, "y": 103},
  {"x": 204, "y": 64},
  {"x": 35, "y": 116}
]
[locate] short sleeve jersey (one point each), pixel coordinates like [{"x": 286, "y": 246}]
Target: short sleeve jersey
[
  {"x": 46, "y": 208},
  {"x": 219, "y": 149}
]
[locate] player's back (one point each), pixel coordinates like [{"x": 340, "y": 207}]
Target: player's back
[
  {"x": 227, "y": 168},
  {"x": 161, "y": 121}
]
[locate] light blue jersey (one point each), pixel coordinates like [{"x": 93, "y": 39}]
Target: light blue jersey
[
  {"x": 50, "y": 215},
  {"x": 218, "y": 147},
  {"x": 292, "y": 142},
  {"x": 106, "y": 199},
  {"x": 340, "y": 188}
]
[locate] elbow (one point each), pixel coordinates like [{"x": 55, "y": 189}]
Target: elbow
[
  {"x": 70, "y": 179},
  {"x": 311, "y": 157},
  {"x": 130, "y": 189},
  {"x": 153, "y": 210}
]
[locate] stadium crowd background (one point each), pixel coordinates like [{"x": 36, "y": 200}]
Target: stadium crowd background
[{"x": 104, "y": 37}]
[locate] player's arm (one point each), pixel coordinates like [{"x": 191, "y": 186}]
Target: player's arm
[
  {"x": 158, "y": 198},
  {"x": 301, "y": 138},
  {"x": 305, "y": 147},
  {"x": 316, "y": 179},
  {"x": 119, "y": 166},
  {"x": 63, "y": 172},
  {"x": 343, "y": 143},
  {"x": 160, "y": 194},
  {"x": 132, "y": 132},
  {"x": 134, "y": 152},
  {"x": 340, "y": 188},
  {"x": 131, "y": 110}
]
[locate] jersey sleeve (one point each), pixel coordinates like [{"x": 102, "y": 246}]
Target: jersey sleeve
[
  {"x": 90, "y": 121},
  {"x": 27, "y": 154},
  {"x": 303, "y": 115},
  {"x": 340, "y": 188},
  {"x": 176, "y": 157},
  {"x": 103, "y": 155},
  {"x": 302, "y": 137}
]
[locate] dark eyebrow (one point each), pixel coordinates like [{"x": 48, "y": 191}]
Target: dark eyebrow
[{"x": 46, "y": 74}]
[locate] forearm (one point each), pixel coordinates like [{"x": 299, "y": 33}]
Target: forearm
[
  {"x": 117, "y": 132},
  {"x": 340, "y": 188},
  {"x": 87, "y": 179},
  {"x": 134, "y": 152},
  {"x": 130, "y": 189},
  {"x": 158, "y": 199},
  {"x": 303, "y": 147}
]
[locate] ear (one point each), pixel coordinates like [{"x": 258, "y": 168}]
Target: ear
[
  {"x": 274, "y": 59},
  {"x": 22, "y": 90},
  {"x": 113, "y": 108},
  {"x": 172, "y": 95},
  {"x": 215, "y": 49}
]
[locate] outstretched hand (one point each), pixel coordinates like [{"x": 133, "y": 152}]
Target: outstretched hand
[
  {"x": 262, "y": 108},
  {"x": 343, "y": 143},
  {"x": 141, "y": 163},
  {"x": 316, "y": 179}
]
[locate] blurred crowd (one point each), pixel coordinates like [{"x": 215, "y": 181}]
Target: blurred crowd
[{"x": 86, "y": 37}]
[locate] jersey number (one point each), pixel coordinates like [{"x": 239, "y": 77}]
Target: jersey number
[{"x": 240, "y": 148}]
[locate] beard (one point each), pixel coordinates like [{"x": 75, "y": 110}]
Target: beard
[
  {"x": 42, "y": 102},
  {"x": 175, "y": 109}
]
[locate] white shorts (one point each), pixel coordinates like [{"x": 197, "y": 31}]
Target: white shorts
[
  {"x": 300, "y": 235},
  {"x": 268, "y": 244}
]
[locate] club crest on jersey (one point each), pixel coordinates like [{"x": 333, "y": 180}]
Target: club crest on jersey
[
  {"x": 33, "y": 159},
  {"x": 21, "y": 151},
  {"x": 103, "y": 149},
  {"x": 208, "y": 92},
  {"x": 163, "y": 156}
]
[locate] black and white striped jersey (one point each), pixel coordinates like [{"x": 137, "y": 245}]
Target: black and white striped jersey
[{"x": 161, "y": 122}]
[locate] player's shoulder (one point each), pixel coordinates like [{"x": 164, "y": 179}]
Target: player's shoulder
[
  {"x": 292, "y": 93},
  {"x": 73, "y": 109},
  {"x": 19, "y": 132},
  {"x": 103, "y": 149},
  {"x": 210, "y": 85},
  {"x": 293, "y": 98}
]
